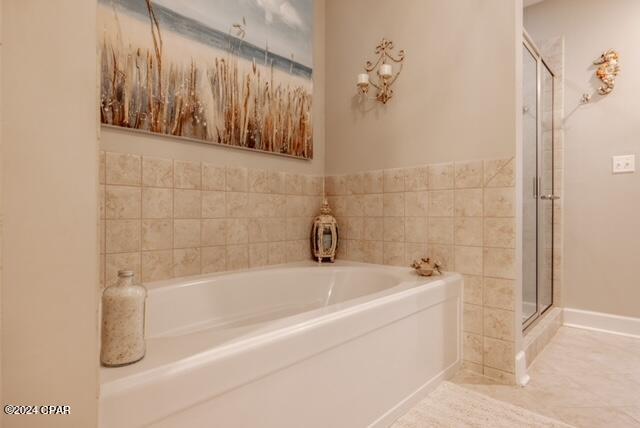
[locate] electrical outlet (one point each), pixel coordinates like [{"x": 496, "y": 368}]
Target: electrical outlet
[{"x": 623, "y": 164}]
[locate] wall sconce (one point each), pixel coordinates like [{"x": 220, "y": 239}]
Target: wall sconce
[{"x": 383, "y": 71}]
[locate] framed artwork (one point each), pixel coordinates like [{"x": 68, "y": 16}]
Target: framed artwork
[{"x": 231, "y": 72}]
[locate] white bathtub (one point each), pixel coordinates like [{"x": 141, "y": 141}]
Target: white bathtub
[{"x": 342, "y": 345}]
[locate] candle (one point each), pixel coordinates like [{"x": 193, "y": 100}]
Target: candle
[
  {"x": 363, "y": 79},
  {"x": 385, "y": 70}
]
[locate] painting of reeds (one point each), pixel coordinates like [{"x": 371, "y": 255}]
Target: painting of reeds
[{"x": 232, "y": 72}]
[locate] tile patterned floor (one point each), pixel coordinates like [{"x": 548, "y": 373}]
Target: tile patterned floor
[{"x": 583, "y": 378}]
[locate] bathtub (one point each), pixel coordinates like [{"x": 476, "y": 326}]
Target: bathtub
[{"x": 300, "y": 345}]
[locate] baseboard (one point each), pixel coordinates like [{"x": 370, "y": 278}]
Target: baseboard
[
  {"x": 414, "y": 398},
  {"x": 598, "y": 321}
]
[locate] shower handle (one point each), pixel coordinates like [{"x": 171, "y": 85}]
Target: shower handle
[{"x": 549, "y": 197}]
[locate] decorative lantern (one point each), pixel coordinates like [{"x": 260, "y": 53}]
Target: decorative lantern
[{"x": 324, "y": 235}]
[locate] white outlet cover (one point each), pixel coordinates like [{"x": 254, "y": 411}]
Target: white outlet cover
[{"x": 624, "y": 164}]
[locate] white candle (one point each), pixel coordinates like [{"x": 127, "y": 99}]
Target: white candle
[
  {"x": 385, "y": 70},
  {"x": 363, "y": 79}
]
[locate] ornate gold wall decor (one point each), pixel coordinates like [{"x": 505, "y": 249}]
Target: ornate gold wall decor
[
  {"x": 607, "y": 71},
  {"x": 383, "y": 71}
]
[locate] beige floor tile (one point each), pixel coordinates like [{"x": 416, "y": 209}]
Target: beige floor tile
[{"x": 595, "y": 417}]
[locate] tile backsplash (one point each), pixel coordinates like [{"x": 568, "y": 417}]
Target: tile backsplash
[
  {"x": 462, "y": 214},
  {"x": 168, "y": 218}
]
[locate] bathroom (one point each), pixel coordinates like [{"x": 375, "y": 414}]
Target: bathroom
[{"x": 475, "y": 263}]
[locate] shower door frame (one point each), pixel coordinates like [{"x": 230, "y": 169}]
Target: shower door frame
[{"x": 540, "y": 251}]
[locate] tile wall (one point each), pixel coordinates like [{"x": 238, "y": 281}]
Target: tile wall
[
  {"x": 166, "y": 218},
  {"x": 462, "y": 214}
]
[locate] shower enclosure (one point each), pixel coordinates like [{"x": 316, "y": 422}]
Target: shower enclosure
[{"x": 538, "y": 195}]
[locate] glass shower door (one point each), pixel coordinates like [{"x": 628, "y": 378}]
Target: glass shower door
[{"x": 538, "y": 200}]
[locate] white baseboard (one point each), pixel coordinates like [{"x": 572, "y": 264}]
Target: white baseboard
[{"x": 598, "y": 321}]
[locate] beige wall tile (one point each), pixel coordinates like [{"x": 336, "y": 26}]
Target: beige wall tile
[
  {"x": 123, "y": 168},
  {"x": 472, "y": 347},
  {"x": 277, "y": 253},
  {"x": 262, "y": 205},
  {"x": 468, "y": 231},
  {"x": 468, "y": 260},
  {"x": 122, "y": 236},
  {"x": 499, "y": 354},
  {"x": 416, "y": 179},
  {"x": 393, "y": 204},
  {"x": 373, "y": 251},
  {"x": 441, "y": 203},
  {"x": 500, "y": 232},
  {"x": 157, "y": 172},
  {"x": 355, "y": 205},
  {"x": 237, "y": 204},
  {"x": 258, "y": 230},
  {"x": 335, "y": 185},
  {"x": 373, "y": 229},
  {"x": 237, "y": 179},
  {"x": 214, "y": 232},
  {"x": 415, "y": 230},
  {"x": 499, "y": 263},
  {"x": 355, "y": 250},
  {"x": 441, "y": 176},
  {"x": 499, "y": 324},
  {"x": 102, "y": 200},
  {"x": 393, "y": 180},
  {"x": 393, "y": 229},
  {"x": 414, "y": 251},
  {"x": 298, "y": 250},
  {"x": 258, "y": 255},
  {"x": 300, "y": 228},
  {"x": 186, "y": 233},
  {"x": 443, "y": 254},
  {"x": 187, "y": 174},
  {"x": 237, "y": 231},
  {"x": 157, "y": 203},
  {"x": 258, "y": 181},
  {"x": 187, "y": 204},
  {"x": 313, "y": 185},
  {"x": 295, "y": 206},
  {"x": 416, "y": 203},
  {"x": 441, "y": 230},
  {"x": 468, "y": 175},
  {"x": 293, "y": 184},
  {"x": 102, "y": 237},
  {"x": 276, "y": 229},
  {"x": 499, "y": 202},
  {"x": 354, "y": 184},
  {"x": 213, "y": 177},
  {"x": 213, "y": 204},
  {"x": 275, "y": 182},
  {"x": 472, "y": 319},
  {"x": 498, "y": 293},
  {"x": 473, "y": 289},
  {"x": 338, "y": 205},
  {"x": 186, "y": 262},
  {"x": 468, "y": 203},
  {"x": 214, "y": 259},
  {"x": 157, "y": 235},
  {"x": 354, "y": 228},
  {"x": 498, "y": 375},
  {"x": 393, "y": 253},
  {"x": 372, "y": 182},
  {"x": 122, "y": 261},
  {"x": 156, "y": 265},
  {"x": 122, "y": 202},
  {"x": 373, "y": 205},
  {"x": 499, "y": 173}
]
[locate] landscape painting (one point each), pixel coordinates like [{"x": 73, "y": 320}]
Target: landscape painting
[{"x": 232, "y": 72}]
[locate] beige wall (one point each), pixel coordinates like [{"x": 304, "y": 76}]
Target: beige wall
[
  {"x": 50, "y": 269},
  {"x": 455, "y": 99},
  {"x": 166, "y": 147},
  {"x": 600, "y": 209}
]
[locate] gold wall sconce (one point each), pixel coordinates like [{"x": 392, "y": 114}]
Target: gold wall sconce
[{"x": 382, "y": 70}]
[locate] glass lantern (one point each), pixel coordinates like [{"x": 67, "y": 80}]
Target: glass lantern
[{"x": 324, "y": 235}]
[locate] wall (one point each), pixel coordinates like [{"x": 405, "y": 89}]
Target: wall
[
  {"x": 601, "y": 210},
  {"x": 165, "y": 147},
  {"x": 454, "y": 100},
  {"x": 50, "y": 176}
]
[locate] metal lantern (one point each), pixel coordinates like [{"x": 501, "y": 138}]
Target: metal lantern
[{"x": 324, "y": 236}]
